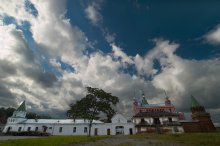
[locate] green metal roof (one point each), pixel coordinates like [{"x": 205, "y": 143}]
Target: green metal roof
[
  {"x": 144, "y": 101},
  {"x": 194, "y": 102},
  {"x": 22, "y": 107}
]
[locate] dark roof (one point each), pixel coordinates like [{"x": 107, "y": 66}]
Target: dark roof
[{"x": 155, "y": 114}]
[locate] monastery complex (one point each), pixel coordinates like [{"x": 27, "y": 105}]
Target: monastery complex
[{"x": 147, "y": 118}]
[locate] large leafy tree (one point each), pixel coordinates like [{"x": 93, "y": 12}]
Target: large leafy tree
[{"x": 92, "y": 105}]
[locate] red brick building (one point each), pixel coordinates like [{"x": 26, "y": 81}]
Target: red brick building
[{"x": 201, "y": 120}]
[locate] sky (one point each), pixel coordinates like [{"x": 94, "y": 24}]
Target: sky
[{"x": 51, "y": 50}]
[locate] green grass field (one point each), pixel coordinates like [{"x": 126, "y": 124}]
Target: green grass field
[
  {"x": 50, "y": 141},
  {"x": 188, "y": 139}
]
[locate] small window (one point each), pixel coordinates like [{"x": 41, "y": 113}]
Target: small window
[
  {"x": 36, "y": 129},
  {"x": 29, "y": 129},
  {"x": 50, "y": 127},
  {"x": 85, "y": 129},
  {"x": 170, "y": 119},
  {"x": 19, "y": 129},
  {"x": 60, "y": 130},
  {"x": 175, "y": 129},
  {"x": 74, "y": 129}
]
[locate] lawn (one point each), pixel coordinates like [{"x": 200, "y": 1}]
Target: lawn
[
  {"x": 50, "y": 141},
  {"x": 186, "y": 139},
  {"x": 189, "y": 139}
]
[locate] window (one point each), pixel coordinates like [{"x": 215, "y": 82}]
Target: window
[
  {"x": 50, "y": 127},
  {"x": 85, "y": 129},
  {"x": 170, "y": 119},
  {"x": 19, "y": 129},
  {"x": 74, "y": 129},
  {"x": 36, "y": 129},
  {"x": 29, "y": 129},
  {"x": 175, "y": 129},
  {"x": 60, "y": 130}
]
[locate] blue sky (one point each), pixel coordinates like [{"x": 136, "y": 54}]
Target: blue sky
[{"x": 51, "y": 50}]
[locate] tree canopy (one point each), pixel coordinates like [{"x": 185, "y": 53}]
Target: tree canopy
[{"x": 96, "y": 102}]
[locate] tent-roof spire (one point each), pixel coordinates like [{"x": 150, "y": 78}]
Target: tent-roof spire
[
  {"x": 194, "y": 102},
  {"x": 22, "y": 107}
]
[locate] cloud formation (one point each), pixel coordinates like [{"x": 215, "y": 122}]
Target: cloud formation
[
  {"x": 213, "y": 37},
  {"x": 92, "y": 12},
  {"x": 25, "y": 75}
]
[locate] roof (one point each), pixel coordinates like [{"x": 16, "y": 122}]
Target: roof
[
  {"x": 61, "y": 121},
  {"x": 194, "y": 102},
  {"x": 22, "y": 107},
  {"x": 144, "y": 101},
  {"x": 155, "y": 114},
  {"x": 153, "y": 105}
]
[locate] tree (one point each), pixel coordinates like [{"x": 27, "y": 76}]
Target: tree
[
  {"x": 31, "y": 115},
  {"x": 92, "y": 105},
  {"x": 5, "y": 113}
]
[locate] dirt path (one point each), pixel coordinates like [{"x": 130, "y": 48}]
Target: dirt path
[{"x": 125, "y": 141}]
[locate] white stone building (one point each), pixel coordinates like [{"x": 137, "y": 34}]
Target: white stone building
[{"x": 19, "y": 123}]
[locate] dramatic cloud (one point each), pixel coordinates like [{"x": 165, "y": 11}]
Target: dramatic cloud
[{"x": 38, "y": 74}]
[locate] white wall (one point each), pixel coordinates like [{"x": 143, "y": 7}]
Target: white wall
[{"x": 67, "y": 128}]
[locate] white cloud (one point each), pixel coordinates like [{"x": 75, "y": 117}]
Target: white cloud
[
  {"x": 117, "y": 52},
  {"x": 213, "y": 36},
  {"x": 15, "y": 9},
  {"x": 92, "y": 12},
  {"x": 23, "y": 77}
]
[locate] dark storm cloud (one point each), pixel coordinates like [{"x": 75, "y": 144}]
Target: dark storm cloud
[
  {"x": 46, "y": 79},
  {"x": 6, "y": 69},
  {"x": 22, "y": 47},
  {"x": 6, "y": 97}
]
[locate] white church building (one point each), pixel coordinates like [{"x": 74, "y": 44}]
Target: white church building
[{"x": 19, "y": 123}]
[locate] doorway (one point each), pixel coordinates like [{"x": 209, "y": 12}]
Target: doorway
[
  {"x": 156, "y": 121},
  {"x": 9, "y": 129},
  {"x": 131, "y": 131},
  {"x": 96, "y": 131},
  {"x": 44, "y": 128},
  {"x": 119, "y": 130},
  {"x": 108, "y": 131}
]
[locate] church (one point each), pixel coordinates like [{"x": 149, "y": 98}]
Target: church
[
  {"x": 18, "y": 123},
  {"x": 156, "y": 118}
]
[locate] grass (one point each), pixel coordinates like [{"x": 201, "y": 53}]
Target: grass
[
  {"x": 189, "y": 139},
  {"x": 50, "y": 141}
]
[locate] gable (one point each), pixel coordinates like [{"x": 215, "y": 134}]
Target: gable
[{"x": 118, "y": 118}]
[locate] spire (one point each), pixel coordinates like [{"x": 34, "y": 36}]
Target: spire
[
  {"x": 144, "y": 101},
  {"x": 22, "y": 107},
  {"x": 194, "y": 102}
]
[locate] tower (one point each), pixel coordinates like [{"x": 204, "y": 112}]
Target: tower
[
  {"x": 199, "y": 114},
  {"x": 20, "y": 112},
  {"x": 167, "y": 101},
  {"x": 135, "y": 105},
  {"x": 143, "y": 101}
]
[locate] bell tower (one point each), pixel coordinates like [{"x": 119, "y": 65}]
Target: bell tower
[
  {"x": 199, "y": 114},
  {"x": 19, "y": 114}
]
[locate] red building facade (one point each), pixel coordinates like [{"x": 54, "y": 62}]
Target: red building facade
[
  {"x": 201, "y": 120},
  {"x": 156, "y": 118}
]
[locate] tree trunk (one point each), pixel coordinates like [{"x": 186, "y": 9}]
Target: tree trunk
[{"x": 90, "y": 126}]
